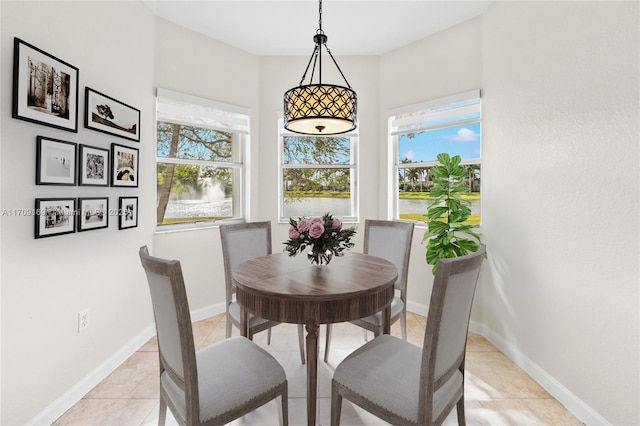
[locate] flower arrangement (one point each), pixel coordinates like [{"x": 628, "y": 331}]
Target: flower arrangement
[{"x": 324, "y": 236}]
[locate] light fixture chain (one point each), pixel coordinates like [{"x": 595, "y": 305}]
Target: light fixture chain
[
  {"x": 320, "y": 16},
  {"x": 313, "y": 55},
  {"x": 337, "y": 66}
]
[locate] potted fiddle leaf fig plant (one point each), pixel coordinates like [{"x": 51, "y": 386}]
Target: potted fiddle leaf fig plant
[{"x": 447, "y": 234}]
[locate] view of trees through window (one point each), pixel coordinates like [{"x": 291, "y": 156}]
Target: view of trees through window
[
  {"x": 317, "y": 176},
  {"x": 196, "y": 171}
]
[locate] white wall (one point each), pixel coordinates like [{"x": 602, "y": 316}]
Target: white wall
[
  {"x": 560, "y": 194},
  {"x": 46, "y": 282}
]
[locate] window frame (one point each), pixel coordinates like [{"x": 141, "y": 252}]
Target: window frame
[
  {"x": 394, "y": 133},
  {"x": 240, "y": 147},
  {"x": 352, "y": 166}
]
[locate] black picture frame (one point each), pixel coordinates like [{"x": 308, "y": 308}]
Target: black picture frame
[
  {"x": 55, "y": 162},
  {"x": 45, "y": 88},
  {"x": 93, "y": 213},
  {"x": 124, "y": 166},
  {"x": 55, "y": 216},
  {"x": 127, "y": 212},
  {"x": 93, "y": 166},
  {"x": 107, "y": 115}
]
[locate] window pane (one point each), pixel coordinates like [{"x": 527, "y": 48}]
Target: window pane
[
  {"x": 190, "y": 193},
  {"x": 413, "y": 190},
  {"x": 194, "y": 143},
  {"x": 462, "y": 140},
  {"x": 315, "y": 150},
  {"x": 314, "y": 192}
]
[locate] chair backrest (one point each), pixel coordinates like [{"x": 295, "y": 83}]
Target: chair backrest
[
  {"x": 242, "y": 242},
  {"x": 173, "y": 323},
  {"x": 445, "y": 338},
  {"x": 390, "y": 240}
]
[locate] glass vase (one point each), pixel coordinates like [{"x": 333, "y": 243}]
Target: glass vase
[{"x": 320, "y": 258}]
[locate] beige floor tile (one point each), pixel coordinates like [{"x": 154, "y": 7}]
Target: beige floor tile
[
  {"x": 477, "y": 343},
  {"x": 492, "y": 375},
  {"x": 137, "y": 377},
  {"x": 532, "y": 412},
  {"x": 497, "y": 392},
  {"x": 116, "y": 412}
]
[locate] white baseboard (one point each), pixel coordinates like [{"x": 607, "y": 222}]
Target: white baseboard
[
  {"x": 575, "y": 405},
  {"x": 77, "y": 392}
]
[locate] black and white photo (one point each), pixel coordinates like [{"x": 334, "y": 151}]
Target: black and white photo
[
  {"x": 93, "y": 213},
  {"x": 94, "y": 166},
  {"x": 128, "y": 212},
  {"x": 45, "y": 88},
  {"x": 124, "y": 166},
  {"x": 55, "y": 162},
  {"x": 105, "y": 114},
  {"x": 54, "y": 216}
]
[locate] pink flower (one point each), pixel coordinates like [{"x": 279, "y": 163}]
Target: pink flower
[
  {"x": 293, "y": 233},
  {"x": 336, "y": 223},
  {"x": 303, "y": 225},
  {"x": 317, "y": 220},
  {"x": 316, "y": 230}
]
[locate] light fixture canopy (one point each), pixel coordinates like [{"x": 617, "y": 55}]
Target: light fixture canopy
[{"x": 320, "y": 109}]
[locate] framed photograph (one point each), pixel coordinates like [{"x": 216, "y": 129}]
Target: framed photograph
[
  {"x": 128, "y": 212},
  {"x": 94, "y": 166},
  {"x": 45, "y": 89},
  {"x": 124, "y": 166},
  {"x": 107, "y": 115},
  {"x": 93, "y": 213},
  {"x": 55, "y": 162},
  {"x": 55, "y": 216}
]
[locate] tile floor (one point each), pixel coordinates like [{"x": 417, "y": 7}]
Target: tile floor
[{"x": 497, "y": 392}]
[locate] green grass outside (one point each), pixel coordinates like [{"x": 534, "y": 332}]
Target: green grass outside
[
  {"x": 474, "y": 219},
  {"x": 346, "y": 194},
  {"x": 173, "y": 220}
]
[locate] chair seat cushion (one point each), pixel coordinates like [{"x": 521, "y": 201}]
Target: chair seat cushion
[
  {"x": 386, "y": 371},
  {"x": 375, "y": 320},
  {"x": 230, "y": 373}
]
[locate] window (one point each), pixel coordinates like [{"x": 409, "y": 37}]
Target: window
[
  {"x": 199, "y": 159},
  {"x": 417, "y": 135},
  {"x": 317, "y": 175}
]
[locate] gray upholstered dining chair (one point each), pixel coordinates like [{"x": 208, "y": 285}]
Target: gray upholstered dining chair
[
  {"x": 242, "y": 242},
  {"x": 407, "y": 385},
  {"x": 390, "y": 240},
  {"x": 214, "y": 385}
]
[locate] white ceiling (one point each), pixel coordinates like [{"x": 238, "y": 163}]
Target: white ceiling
[{"x": 356, "y": 27}]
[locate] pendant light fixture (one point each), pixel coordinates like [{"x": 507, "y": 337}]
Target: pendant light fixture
[{"x": 320, "y": 109}]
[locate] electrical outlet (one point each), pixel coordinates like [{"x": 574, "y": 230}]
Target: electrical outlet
[{"x": 83, "y": 320}]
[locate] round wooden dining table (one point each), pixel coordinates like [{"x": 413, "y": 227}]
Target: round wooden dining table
[{"x": 289, "y": 289}]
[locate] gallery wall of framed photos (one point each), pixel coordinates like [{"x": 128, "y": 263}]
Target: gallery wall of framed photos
[{"x": 46, "y": 92}]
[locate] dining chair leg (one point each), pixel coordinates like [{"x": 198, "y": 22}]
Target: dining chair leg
[
  {"x": 268, "y": 336},
  {"x": 228, "y": 329},
  {"x": 162, "y": 414},
  {"x": 301, "y": 343},
  {"x": 327, "y": 343},
  {"x": 460, "y": 408},
  {"x": 336, "y": 404},
  {"x": 403, "y": 326},
  {"x": 284, "y": 407}
]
